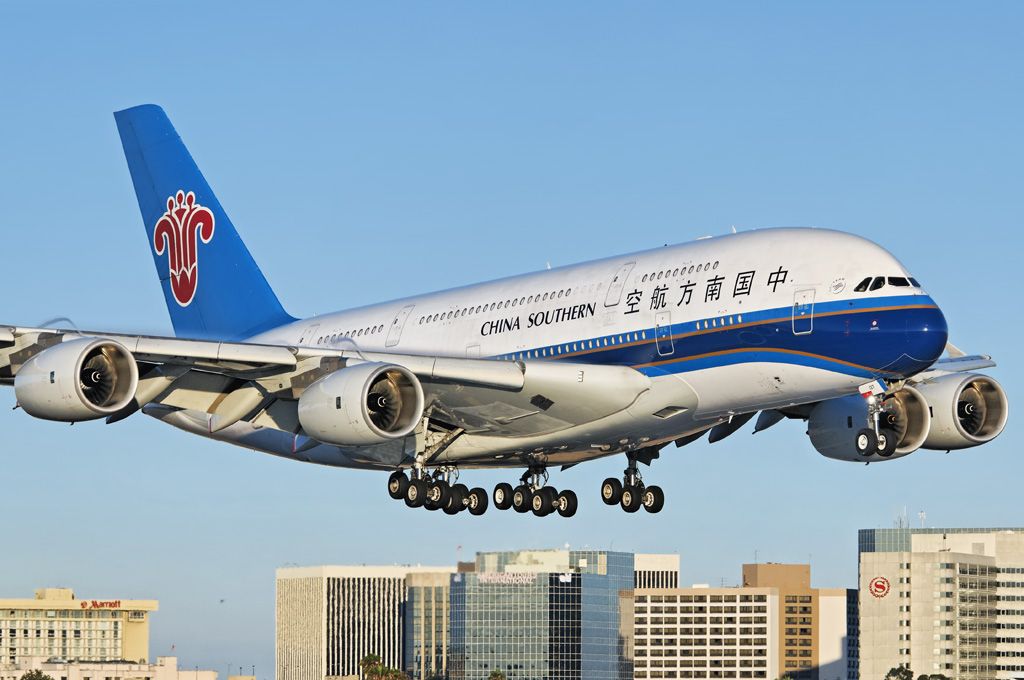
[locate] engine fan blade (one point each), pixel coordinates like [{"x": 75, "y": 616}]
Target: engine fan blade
[
  {"x": 384, "y": 404},
  {"x": 971, "y": 409},
  {"x": 97, "y": 379}
]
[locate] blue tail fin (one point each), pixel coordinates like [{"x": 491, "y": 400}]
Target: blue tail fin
[{"x": 213, "y": 287}]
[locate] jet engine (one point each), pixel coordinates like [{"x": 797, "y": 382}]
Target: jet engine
[
  {"x": 80, "y": 379},
  {"x": 364, "y": 404},
  {"x": 833, "y": 424},
  {"x": 966, "y": 409}
]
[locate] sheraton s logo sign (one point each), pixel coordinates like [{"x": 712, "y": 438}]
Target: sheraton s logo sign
[
  {"x": 879, "y": 587},
  {"x": 178, "y": 233}
]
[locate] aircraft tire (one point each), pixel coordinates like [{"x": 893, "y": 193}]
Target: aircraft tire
[
  {"x": 456, "y": 500},
  {"x": 398, "y": 482},
  {"x": 567, "y": 503},
  {"x": 653, "y": 499},
  {"x": 416, "y": 493},
  {"x": 887, "y": 442},
  {"x": 521, "y": 498},
  {"x": 503, "y": 496},
  {"x": 866, "y": 442},
  {"x": 438, "y": 493},
  {"x": 477, "y": 502},
  {"x": 631, "y": 499},
  {"x": 611, "y": 491}
]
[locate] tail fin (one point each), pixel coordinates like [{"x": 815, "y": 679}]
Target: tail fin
[{"x": 213, "y": 287}]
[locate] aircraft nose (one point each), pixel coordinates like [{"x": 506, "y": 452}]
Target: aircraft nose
[{"x": 927, "y": 334}]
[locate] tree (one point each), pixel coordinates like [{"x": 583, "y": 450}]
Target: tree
[
  {"x": 372, "y": 667},
  {"x": 36, "y": 675},
  {"x": 899, "y": 673},
  {"x": 496, "y": 674}
]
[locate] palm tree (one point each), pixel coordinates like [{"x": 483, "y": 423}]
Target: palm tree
[
  {"x": 496, "y": 674},
  {"x": 372, "y": 667}
]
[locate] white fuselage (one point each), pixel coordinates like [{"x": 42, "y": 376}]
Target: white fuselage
[{"x": 743, "y": 322}]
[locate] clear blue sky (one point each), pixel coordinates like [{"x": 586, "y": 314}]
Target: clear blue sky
[{"x": 371, "y": 152}]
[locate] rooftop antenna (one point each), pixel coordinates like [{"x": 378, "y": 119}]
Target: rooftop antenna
[{"x": 922, "y": 515}]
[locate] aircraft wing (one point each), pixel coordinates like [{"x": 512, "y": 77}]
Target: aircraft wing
[{"x": 261, "y": 384}]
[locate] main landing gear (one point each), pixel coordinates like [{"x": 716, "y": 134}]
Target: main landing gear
[
  {"x": 437, "y": 491},
  {"x": 631, "y": 493},
  {"x": 533, "y": 495},
  {"x": 876, "y": 439}
]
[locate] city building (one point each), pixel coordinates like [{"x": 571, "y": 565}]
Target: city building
[
  {"x": 56, "y": 624},
  {"x": 165, "y": 668},
  {"x": 942, "y": 601},
  {"x": 774, "y": 625},
  {"x": 427, "y": 634},
  {"x": 656, "y": 571},
  {"x": 812, "y": 622},
  {"x": 329, "y": 618},
  {"x": 552, "y": 614}
]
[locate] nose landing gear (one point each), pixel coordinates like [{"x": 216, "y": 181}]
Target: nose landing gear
[{"x": 876, "y": 439}]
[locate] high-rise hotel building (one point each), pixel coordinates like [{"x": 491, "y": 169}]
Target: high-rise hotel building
[
  {"x": 329, "y": 618},
  {"x": 942, "y": 601}
]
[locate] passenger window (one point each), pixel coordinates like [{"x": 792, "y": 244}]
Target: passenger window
[
  {"x": 644, "y": 280},
  {"x": 568, "y": 292},
  {"x": 560, "y": 293},
  {"x": 863, "y": 285},
  {"x": 716, "y": 265},
  {"x": 898, "y": 281},
  {"x": 878, "y": 282}
]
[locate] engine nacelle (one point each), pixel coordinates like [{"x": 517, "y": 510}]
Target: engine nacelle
[
  {"x": 80, "y": 379},
  {"x": 833, "y": 424},
  {"x": 363, "y": 404},
  {"x": 967, "y": 410}
]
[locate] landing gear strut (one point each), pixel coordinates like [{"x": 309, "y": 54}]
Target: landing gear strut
[{"x": 631, "y": 493}]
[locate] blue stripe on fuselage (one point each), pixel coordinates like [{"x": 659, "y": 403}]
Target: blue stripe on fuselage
[{"x": 873, "y": 337}]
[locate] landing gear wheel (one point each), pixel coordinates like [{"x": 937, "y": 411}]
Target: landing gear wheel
[
  {"x": 477, "y": 501},
  {"x": 521, "y": 498},
  {"x": 416, "y": 493},
  {"x": 438, "y": 492},
  {"x": 543, "y": 501},
  {"x": 866, "y": 442},
  {"x": 631, "y": 499},
  {"x": 397, "y": 484},
  {"x": 611, "y": 491},
  {"x": 566, "y": 503},
  {"x": 503, "y": 496},
  {"x": 456, "y": 500},
  {"x": 653, "y": 499},
  {"x": 886, "y": 442}
]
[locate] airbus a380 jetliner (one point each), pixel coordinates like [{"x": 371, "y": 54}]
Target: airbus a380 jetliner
[{"x": 619, "y": 356}]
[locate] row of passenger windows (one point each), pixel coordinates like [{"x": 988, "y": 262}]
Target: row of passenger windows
[
  {"x": 569, "y": 348},
  {"x": 466, "y": 311},
  {"x": 653, "y": 276},
  {"x": 876, "y": 282},
  {"x": 333, "y": 337}
]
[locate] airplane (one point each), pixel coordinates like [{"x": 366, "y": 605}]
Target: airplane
[{"x": 614, "y": 357}]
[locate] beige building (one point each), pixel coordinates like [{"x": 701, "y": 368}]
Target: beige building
[
  {"x": 165, "y": 668},
  {"x": 656, "y": 570},
  {"x": 942, "y": 601},
  {"x": 56, "y": 624},
  {"x": 812, "y": 622},
  {"x": 329, "y": 618},
  {"x": 427, "y": 619},
  {"x": 773, "y": 626}
]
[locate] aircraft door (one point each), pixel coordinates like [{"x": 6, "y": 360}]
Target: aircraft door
[
  {"x": 395, "y": 332},
  {"x": 309, "y": 335},
  {"x": 616, "y": 284},
  {"x": 803, "y": 311},
  {"x": 663, "y": 333}
]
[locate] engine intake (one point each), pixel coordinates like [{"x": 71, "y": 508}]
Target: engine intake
[
  {"x": 360, "y": 405},
  {"x": 79, "y": 379},
  {"x": 967, "y": 410}
]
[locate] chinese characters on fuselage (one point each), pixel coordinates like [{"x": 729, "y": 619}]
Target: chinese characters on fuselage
[{"x": 742, "y": 285}]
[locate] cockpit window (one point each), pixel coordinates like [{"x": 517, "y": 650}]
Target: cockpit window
[
  {"x": 878, "y": 282},
  {"x": 914, "y": 283},
  {"x": 862, "y": 286},
  {"x": 898, "y": 281}
]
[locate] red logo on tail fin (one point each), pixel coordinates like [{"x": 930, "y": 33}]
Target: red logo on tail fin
[{"x": 178, "y": 232}]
